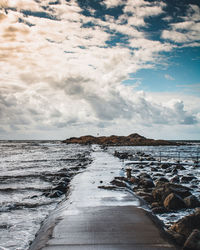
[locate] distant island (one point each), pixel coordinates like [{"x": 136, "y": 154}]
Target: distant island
[{"x": 114, "y": 140}]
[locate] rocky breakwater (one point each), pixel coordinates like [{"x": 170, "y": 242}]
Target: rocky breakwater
[
  {"x": 113, "y": 140},
  {"x": 167, "y": 196}
]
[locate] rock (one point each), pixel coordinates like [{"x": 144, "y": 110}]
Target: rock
[
  {"x": 55, "y": 194},
  {"x": 147, "y": 197},
  {"x": 193, "y": 241},
  {"x": 187, "y": 224},
  {"x": 61, "y": 187},
  {"x": 159, "y": 210},
  {"x": 121, "y": 178},
  {"x": 107, "y": 187},
  {"x": 175, "y": 179},
  {"x": 156, "y": 204},
  {"x": 174, "y": 171},
  {"x": 165, "y": 165},
  {"x": 163, "y": 179},
  {"x": 163, "y": 189},
  {"x": 144, "y": 175},
  {"x": 134, "y": 180},
  {"x": 192, "y": 201},
  {"x": 186, "y": 179},
  {"x": 178, "y": 238},
  {"x": 154, "y": 169},
  {"x": 147, "y": 183},
  {"x": 118, "y": 183},
  {"x": 174, "y": 202},
  {"x": 179, "y": 167}
]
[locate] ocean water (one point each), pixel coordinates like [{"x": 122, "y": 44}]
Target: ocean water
[{"x": 30, "y": 171}]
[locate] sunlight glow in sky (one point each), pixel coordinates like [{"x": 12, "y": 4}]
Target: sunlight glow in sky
[{"x": 77, "y": 67}]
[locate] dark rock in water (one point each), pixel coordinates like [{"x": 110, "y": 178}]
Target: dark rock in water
[
  {"x": 165, "y": 165},
  {"x": 147, "y": 183},
  {"x": 162, "y": 190},
  {"x": 55, "y": 194},
  {"x": 144, "y": 175},
  {"x": 179, "y": 167},
  {"x": 175, "y": 179},
  {"x": 147, "y": 197},
  {"x": 156, "y": 204},
  {"x": 107, "y": 187},
  {"x": 163, "y": 179},
  {"x": 192, "y": 201},
  {"x": 118, "y": 183},
  {"x": 62, "y": 187},
  {"x": 186, "y": 179},
  {"x": 159, "y": 210},
  {"x": 193, "y": 241},
  {"x": 174, "y": 202},
  {"x": 154, "y": 169},
  {"x": 186, "y": 225},
  {"x": 174, "y": 171},
  {"x": 134, "y": 180}
]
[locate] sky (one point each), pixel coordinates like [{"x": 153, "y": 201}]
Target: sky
[{"x": 101, "y": 67}]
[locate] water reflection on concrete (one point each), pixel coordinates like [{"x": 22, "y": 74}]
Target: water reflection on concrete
[{"x": 84, "y": 187}]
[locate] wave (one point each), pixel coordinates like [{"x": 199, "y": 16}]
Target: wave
[{"x": 23, "y": 205}]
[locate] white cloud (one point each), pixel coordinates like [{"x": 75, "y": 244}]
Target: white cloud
[
  {"x": 56, "y": 73},
  {"x": 113, "y": 3},
  {"x": 168, "y": 77},
  {"x": 185, "y": 32}
]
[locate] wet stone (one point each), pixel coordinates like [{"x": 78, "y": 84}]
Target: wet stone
[
  {"x": 174, "y": 202},
  {"x": 193, "y": 241},
  {"x": 192, "y": 201},
  {"x": 159, "y": 210}
]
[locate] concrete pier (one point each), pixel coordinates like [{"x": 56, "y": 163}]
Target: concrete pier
[{"x": 94, "y": 218}]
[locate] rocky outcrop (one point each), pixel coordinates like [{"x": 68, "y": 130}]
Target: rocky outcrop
[{"x": 131, "y": 140}]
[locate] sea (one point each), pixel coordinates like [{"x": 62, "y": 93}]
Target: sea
[
  {"x": 30, "y": 172},
  {"x": 35, "y": 178}
]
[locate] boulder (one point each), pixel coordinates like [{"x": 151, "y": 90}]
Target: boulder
[
  {"x": 187, "y": 224},
  {"x": 133, "y": 180},
  {"x": 175, "y": 179},
  {"x": 118, "y": 183},
  {"x": 165, "y": 165},
  {"x": 174, "y": 202},
  {"x": 146, "y": 182},
  {"x": 179, "y": 167},
  {"x": 159, "y": 210},
  {"x": 192, "y": 201},
  {"x": 186, "y": 179},
  {"x": 156, "y": 204},
  {"x": 193, "y": 241},
  {"x": 55, "y": 194},
  {"x": 163, "y": 189},
  {"x": 147, "y": 197},
  {"x": 163, "y": 179}
]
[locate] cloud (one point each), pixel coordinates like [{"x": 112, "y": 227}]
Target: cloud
[
  {"x": 168, "y": 77},
  {"x": 63, "y": 69},
  {"x": 113, "y": 3},
  {"x": 185, "y": 32}
]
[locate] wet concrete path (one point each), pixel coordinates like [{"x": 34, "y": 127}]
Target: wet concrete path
[{"x": 94, "y": 218}]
